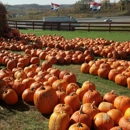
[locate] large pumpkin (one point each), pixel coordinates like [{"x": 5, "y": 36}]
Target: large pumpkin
[
  {"x": 45, "y": 99},
  {"x": 59, "y": 120}
]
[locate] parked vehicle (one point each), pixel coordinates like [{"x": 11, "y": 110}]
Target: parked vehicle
[{"x": 108, "y": 20}]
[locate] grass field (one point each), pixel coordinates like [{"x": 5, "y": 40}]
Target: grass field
[{"x": 23, "y": 116}]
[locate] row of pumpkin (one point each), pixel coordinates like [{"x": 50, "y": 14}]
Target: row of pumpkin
[{"x": 25, "y": 77}]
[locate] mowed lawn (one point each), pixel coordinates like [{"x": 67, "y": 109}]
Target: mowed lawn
[{"x": 23, "y": 116}]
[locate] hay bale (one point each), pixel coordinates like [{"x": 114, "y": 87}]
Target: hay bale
[{"x": 3, "y": 20}]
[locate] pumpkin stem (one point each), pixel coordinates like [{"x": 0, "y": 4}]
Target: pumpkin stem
[
  {"x": 73, "y": 93},
  {"x": 92, "y": 105},
  {"x": 79, "y": 125},
  {"x": 113, "y": 92},
  {"x": 63, "y": 105},
  {"x": 80, "y": 110}
]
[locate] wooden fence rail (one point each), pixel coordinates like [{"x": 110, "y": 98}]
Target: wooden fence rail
[{"x": 71, "y": 26}]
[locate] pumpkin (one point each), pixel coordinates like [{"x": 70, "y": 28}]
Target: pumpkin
[
  {"x": 11, "y": 64},
  {"x": 85, "y": 68},
  {"x": 28, "y": 81},
  {"x": 59, "y": 120},
  {"x": 122, "y": 103},
  {"x": 80, "y": 92},
  {"x": 78, "y": 126},
  {"x": 127, "y": 112},
  {"x": 63, "y": 107},
  {"x": 112, "y": 74},
  {"x": 70, "y": 77},
  {"x": 60, "y": 84},
  {"x": 90, "y": 109},
  {"x": 9, "y": 80},
  {"x": 128, "y": 82},
  {"x": 94, "y": 69},
  {"x": 2, "y": 89},
  {"x": 102, "y": 121},
  {"x": 116, "y": 128},
  {"x": 88, "y": 85},
  {"x": 92, "y": 95},
  {"x": 61, "y": 95},
  {"x": 79, "y": 116},
  {"x": 71, "y": 87},
  {"x": 19, "y": 86},
  {"x": 45, "y": 99},
  {"x": 121, "y": 79},
  {"x": 2, "y": 83},
  {"x": 9, "y": 96},
  {"x": 115, "y": 115},
  {"x": 28, "y": 94},
  {"x": 72, "y": 100},
  {"x": 105, "y": 106},
  {"x": 110, "y": 96},
  {"x": 103, "y": 72},
  {"x": 20, "y": 74},
  {"x": 124, "y": 122},
  {"x": 46, "y": 64}
]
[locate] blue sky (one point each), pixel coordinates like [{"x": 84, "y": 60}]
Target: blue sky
[{"x": 42, "y": 2}]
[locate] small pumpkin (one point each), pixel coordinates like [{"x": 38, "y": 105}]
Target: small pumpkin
[
  {"x": 63, "y": 107},
  {"x": 72, "y": 100},
  {"x": 79, "y": 126},
  {"x": 9, "y": 96},
  {"x": 102, "y": 121},
  {"x": 92, "y": 95},
  {"x": 79, "y": 116}
]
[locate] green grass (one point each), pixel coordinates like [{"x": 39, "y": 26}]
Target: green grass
[
  {"x": 23, "y": 116},
  {"x": 116, "y": 36}
]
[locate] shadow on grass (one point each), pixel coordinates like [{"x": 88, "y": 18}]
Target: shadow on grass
[{"x": 19, "y": 106}]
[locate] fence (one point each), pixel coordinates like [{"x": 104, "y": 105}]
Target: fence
[{"x": 71, "y": 26}]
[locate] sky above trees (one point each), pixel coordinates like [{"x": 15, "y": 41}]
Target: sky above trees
[{"x": 44, "y": 2}]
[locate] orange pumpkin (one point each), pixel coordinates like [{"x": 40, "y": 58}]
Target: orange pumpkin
[
  {"x": 122, "y": 103},
  {"x": 115, "y": 115},
  {"x": 79, "y": 116},
  {"x": 124, "y": 122},
  {"x": 72, "y": 100},
  {"x": 92, "y": 95},
  {"x": 110, "y": 96},
  {"x": 63, "y": 107},
  {"x": 27, "y": 95},
  {"x": 71, "y": 87},
  {"x": 79, "y": 126},
  {"x": 43, "y": 99},
  {"x": 9, "y": 96},
  {"x": 102, "y": 121}
]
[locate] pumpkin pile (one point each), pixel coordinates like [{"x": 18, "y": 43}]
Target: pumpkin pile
[{"x": 31, "y": 76}]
